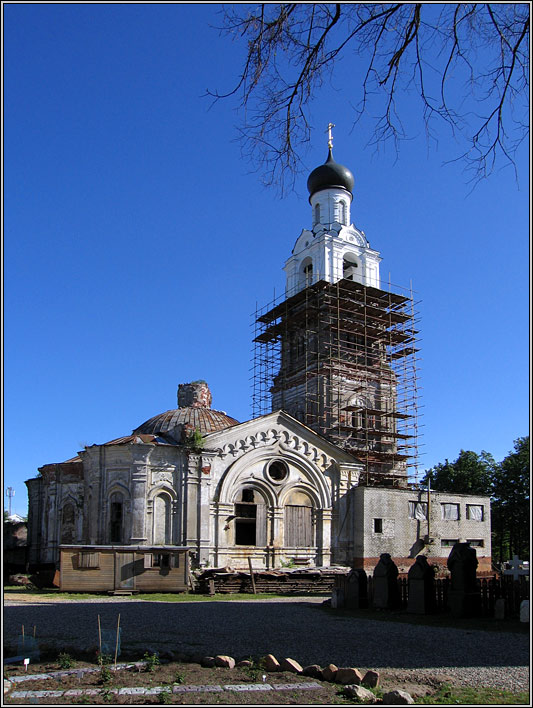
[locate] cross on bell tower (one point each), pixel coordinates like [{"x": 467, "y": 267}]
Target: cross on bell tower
[{"x": 330, "y": 136}]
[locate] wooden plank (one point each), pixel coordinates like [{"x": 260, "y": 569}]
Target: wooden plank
[{"x": 251, "y": 573}]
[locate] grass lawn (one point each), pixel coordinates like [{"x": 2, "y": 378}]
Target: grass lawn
[
  {"x": 486, "y": 624},
  {"x": 17, "y": 591}
]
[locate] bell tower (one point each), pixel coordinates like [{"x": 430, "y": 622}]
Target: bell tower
[
  {"x": 333, "y": 248},
  {"x": 338, "y": 352}
]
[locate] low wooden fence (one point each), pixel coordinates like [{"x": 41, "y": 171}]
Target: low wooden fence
[{"x": 489, "y": 589}]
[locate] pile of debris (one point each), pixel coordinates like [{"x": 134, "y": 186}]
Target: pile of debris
[{"x": 286, "y": 580}]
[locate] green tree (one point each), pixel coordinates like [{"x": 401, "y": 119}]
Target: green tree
[
  {"x": 510, "y": 505},
  {"x": 469, "y": 474},
  {"x": 465, "y": 65}
]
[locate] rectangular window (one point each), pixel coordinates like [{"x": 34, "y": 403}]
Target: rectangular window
[
  {"x": 477, "y": 543},
  {"x": 450, "y": 512},
  {"x": 88, "y": 559},
  {"x": 474, "y": 512},
  {"x": 378, "y": 525},
  {"x": 448, "y": 542},
  {"x": 418, "y": 510},
  {"x": 148, "y": 560}
]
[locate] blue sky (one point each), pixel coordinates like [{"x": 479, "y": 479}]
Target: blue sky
[{"x": 137, "y": 241}]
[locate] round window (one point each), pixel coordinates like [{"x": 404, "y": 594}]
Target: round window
[{"x": 278, "y": 471}]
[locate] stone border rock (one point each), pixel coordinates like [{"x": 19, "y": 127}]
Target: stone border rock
[{"x": 140, "y": 691}]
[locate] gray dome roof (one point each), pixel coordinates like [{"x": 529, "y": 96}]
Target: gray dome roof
[
  {"x": 191, "y": 418},
  {"x": 330, "y": 174}
]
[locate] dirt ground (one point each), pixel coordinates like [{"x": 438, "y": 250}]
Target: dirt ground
[{"x": 173, "y": 673}]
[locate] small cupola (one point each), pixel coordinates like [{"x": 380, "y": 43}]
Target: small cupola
[{"x": 194, "y": 395}]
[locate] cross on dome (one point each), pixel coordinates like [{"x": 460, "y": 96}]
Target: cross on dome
[{"x": 330, "y": 136}]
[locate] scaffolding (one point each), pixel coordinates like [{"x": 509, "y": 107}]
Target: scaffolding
[{"x": 342, "y": 358}]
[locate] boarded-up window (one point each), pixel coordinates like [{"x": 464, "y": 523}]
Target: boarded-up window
[
  {"x": 67, "y": 524},
  {"x": 88, "y": 559},
  {"x": 450, "y": 512},
  {"x": 474, "y": 512},
  {"x": 298, "y": 526},
  {"x": 162, "y": 519},
  {"x": 148, "y": 560},
  {"x": 418, "y": 510}
]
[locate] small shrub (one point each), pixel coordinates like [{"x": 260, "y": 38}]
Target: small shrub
[
  {"x": 256, "y": 670},
  {"x": 179, "y": 678},
  {"x": 166, "y": 696},
  {"x": 65, "y": 661},
  {"x": 152, "y": 660},
  {"x": 104, "y": 659},
  {"x": 106, "y": 694},
  {"x": 105, "y": 675}
]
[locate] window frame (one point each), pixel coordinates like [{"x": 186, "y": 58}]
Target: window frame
[
  {"x": 422, "y": 505},
  {"x": 478, "y": 506},
  {"x": 88, "y": 559},
  {"x": 443, "y": 516}
]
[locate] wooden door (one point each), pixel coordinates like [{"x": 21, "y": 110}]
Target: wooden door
[
  {"x": 298, "y": 526},
  {"x": 124, "y": 571}
]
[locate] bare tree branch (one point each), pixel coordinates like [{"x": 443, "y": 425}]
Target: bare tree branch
[{"x": 466, "y": 63}]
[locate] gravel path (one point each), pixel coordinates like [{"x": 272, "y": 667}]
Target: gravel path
[{"x": 295, "y": 627}]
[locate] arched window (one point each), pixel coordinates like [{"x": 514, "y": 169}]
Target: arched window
[
  {"x": 116, "y": 513},
  {"x": 356, "y": 411},
  {"x": 162, "y": 528},
  {"x": 67, "y": 523},
  {"x": 317, "y": 213},
  {"x": 250, "y": 518},
  {"x": 350, "y": 267},
  {"x": 308, "y": 274},
  {"x": 342, "y": 212}
]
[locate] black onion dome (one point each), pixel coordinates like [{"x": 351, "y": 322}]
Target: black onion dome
[
  {"x": 330, "y": 174},
  {"x": 205, "y": 420}
]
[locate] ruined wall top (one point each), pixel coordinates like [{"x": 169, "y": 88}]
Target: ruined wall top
[{"x": 194, "y": 395}]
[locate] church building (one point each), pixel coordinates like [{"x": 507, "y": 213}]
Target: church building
[{"x": 319, "y": 476}]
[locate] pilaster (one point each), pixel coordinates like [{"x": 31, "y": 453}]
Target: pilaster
[{"x": 139, "y": 480}]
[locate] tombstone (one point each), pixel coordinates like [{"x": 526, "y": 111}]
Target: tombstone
[
  {"x": 421, "y": 578},
  {"x": 337, "y": 598},
  {"x": 524, "y": 611},
  {"x": 464, "y": 599},
  {"x": 356, "y": 589},
  {"x": 386, "y": 591},
  {"x": 500, "y": 609}
]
